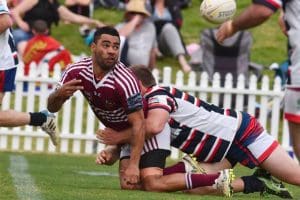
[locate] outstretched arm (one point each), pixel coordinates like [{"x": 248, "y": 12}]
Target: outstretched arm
[
  {"x": 254, "y": 15},
  {"x": 67, "y": 15},
  {"x": 61, "y": 94}
]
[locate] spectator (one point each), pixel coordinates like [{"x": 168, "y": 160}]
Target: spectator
[
  {"x": 138, "y": 32},
  {"x": 43, "y": 48},
  {"x": 50, "y": 11},
  {"x": 167, "y": 19},
  {"x": 81, "y": 7},
  {"x": 256, "y": 14}
]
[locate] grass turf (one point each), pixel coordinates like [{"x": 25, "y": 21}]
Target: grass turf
[{"x": 59, "y": 176}]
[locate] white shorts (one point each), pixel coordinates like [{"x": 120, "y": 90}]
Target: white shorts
[{"x": 292, "y": 104}]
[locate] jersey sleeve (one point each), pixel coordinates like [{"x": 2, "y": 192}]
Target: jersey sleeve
[
  {"x": 128, "y": 91},
  {"x": 162, "y": 100},
  {"x": 3, "y": 7},
  {"x": 272, "y": 4}
]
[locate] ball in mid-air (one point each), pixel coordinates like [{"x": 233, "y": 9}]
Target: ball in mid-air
[{"x": 217, "y": 11}]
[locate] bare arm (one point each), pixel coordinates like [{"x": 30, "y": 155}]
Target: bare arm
[
  {"x": 66, "y": 14},
  {"x": 155, "y": 123},
  {"x": 60, "y": 95},
  {"x": 129, "y": 27},
  {"x": 136, "y": 119},
  {"x": 6, "y": 22},
  {"x": 20, "y": 10},
  {"x": 254, "y": 15}
]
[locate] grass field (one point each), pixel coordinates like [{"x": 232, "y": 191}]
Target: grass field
[{"x": 25, "y": 176}]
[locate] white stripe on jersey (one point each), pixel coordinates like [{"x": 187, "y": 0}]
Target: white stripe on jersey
[
  {"x": 159, "y": 141},
  {"x": 209, "y": 122},
  {"x": 276, "y": 2},
  {"x": 76, "y": 66},
  {"x": 131, "y": 77},
  {"x": 86, "y": 77}
]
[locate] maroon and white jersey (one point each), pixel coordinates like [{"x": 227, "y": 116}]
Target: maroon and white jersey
[{"x": 112, "y": 98}]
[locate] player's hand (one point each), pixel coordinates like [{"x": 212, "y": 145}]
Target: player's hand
[
  {"x": 24, "y": 26},
  {"x": 68, "y": 89},
  {"x": 225, "y": 31},
  {"x": 132, "y": 176},
  {"x": 109, "y": 136},
  {"x": 104, "y": 157}
]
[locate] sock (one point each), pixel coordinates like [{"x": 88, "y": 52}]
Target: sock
[
  {"x": 252, "y": 184},
  {"x": 177, "y": 168},
  {"x": 200, "y": 180},
  {"x": 37, "y": 118}
]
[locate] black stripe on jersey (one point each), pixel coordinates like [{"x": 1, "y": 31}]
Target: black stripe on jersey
[
  {"x": 13, "y": 48},
  {"x": 183, "y": 135},
  {"x": 209, "y": 107},
  {"x": 207, "y": 148},
  {"x": 194, "y": 142},
  {"x": 221, "y": 151},
  {"x": 191, "y": 99},
  {"x": 175, "y": 92}
]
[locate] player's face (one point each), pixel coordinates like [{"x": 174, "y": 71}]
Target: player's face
[{"x": 106, "y": 51}]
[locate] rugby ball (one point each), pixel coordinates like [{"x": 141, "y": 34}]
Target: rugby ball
[{"x": 217, "y": 11}]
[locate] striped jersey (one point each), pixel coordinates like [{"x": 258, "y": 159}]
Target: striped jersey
[
  {"x": 197, "y": 128},
  {"x": 272, "y": 4},
  {"x": 113, "y": 97},
  {"x": 8, "y": 53}
]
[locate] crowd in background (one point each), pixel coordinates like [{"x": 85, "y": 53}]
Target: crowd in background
[{"x": 150, "y": 28}]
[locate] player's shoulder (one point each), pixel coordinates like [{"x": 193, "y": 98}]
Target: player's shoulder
[{"x": 85, "y": 63}]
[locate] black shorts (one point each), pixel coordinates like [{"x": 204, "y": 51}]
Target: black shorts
[{"x": 155, "y": 158}]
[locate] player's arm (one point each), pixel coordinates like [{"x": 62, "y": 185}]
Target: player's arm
[
  {"x": 252, "y": 16},
  {"x": 19, "y": 11},
  {"x": 154, "y": 123},
  {"x": 62, "y": 93},
  {"x": 136, "y": 119},
  {"x": 6, "y": 22}
]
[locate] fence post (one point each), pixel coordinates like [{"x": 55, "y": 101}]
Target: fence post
[
  {"x": 192, "y": 82},
  {"x": 30, "y": 104},
  {"x": 239, "y": 102},
  {"x": 78, "y": 121},
  {"x": 275, "y": 110},
  {"x": 215, "y": 98},
  {"x": 263, "y": 113},
  {"x": 203, "y": 84},
  {"x": 19, "y": 95},
  {"x": 228, "y": 96},
  {"x": 167, "y": 75},
  {"x": 252, "y": 96}
]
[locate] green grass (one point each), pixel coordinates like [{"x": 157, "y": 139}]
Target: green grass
[
  {"x": 269, "y": 43},
  {"x": 56, "y": 177}
]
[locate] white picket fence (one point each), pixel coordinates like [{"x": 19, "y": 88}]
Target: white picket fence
[{"x": 77, "y": 123}]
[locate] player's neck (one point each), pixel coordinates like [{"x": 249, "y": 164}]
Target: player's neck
[{"x": 99, "y": 73}]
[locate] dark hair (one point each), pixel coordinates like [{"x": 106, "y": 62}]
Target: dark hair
[
  {"x": 144, "y": 74},
  {"x": 40, "y": 26},
  {"x": 105, "y": 30}
]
